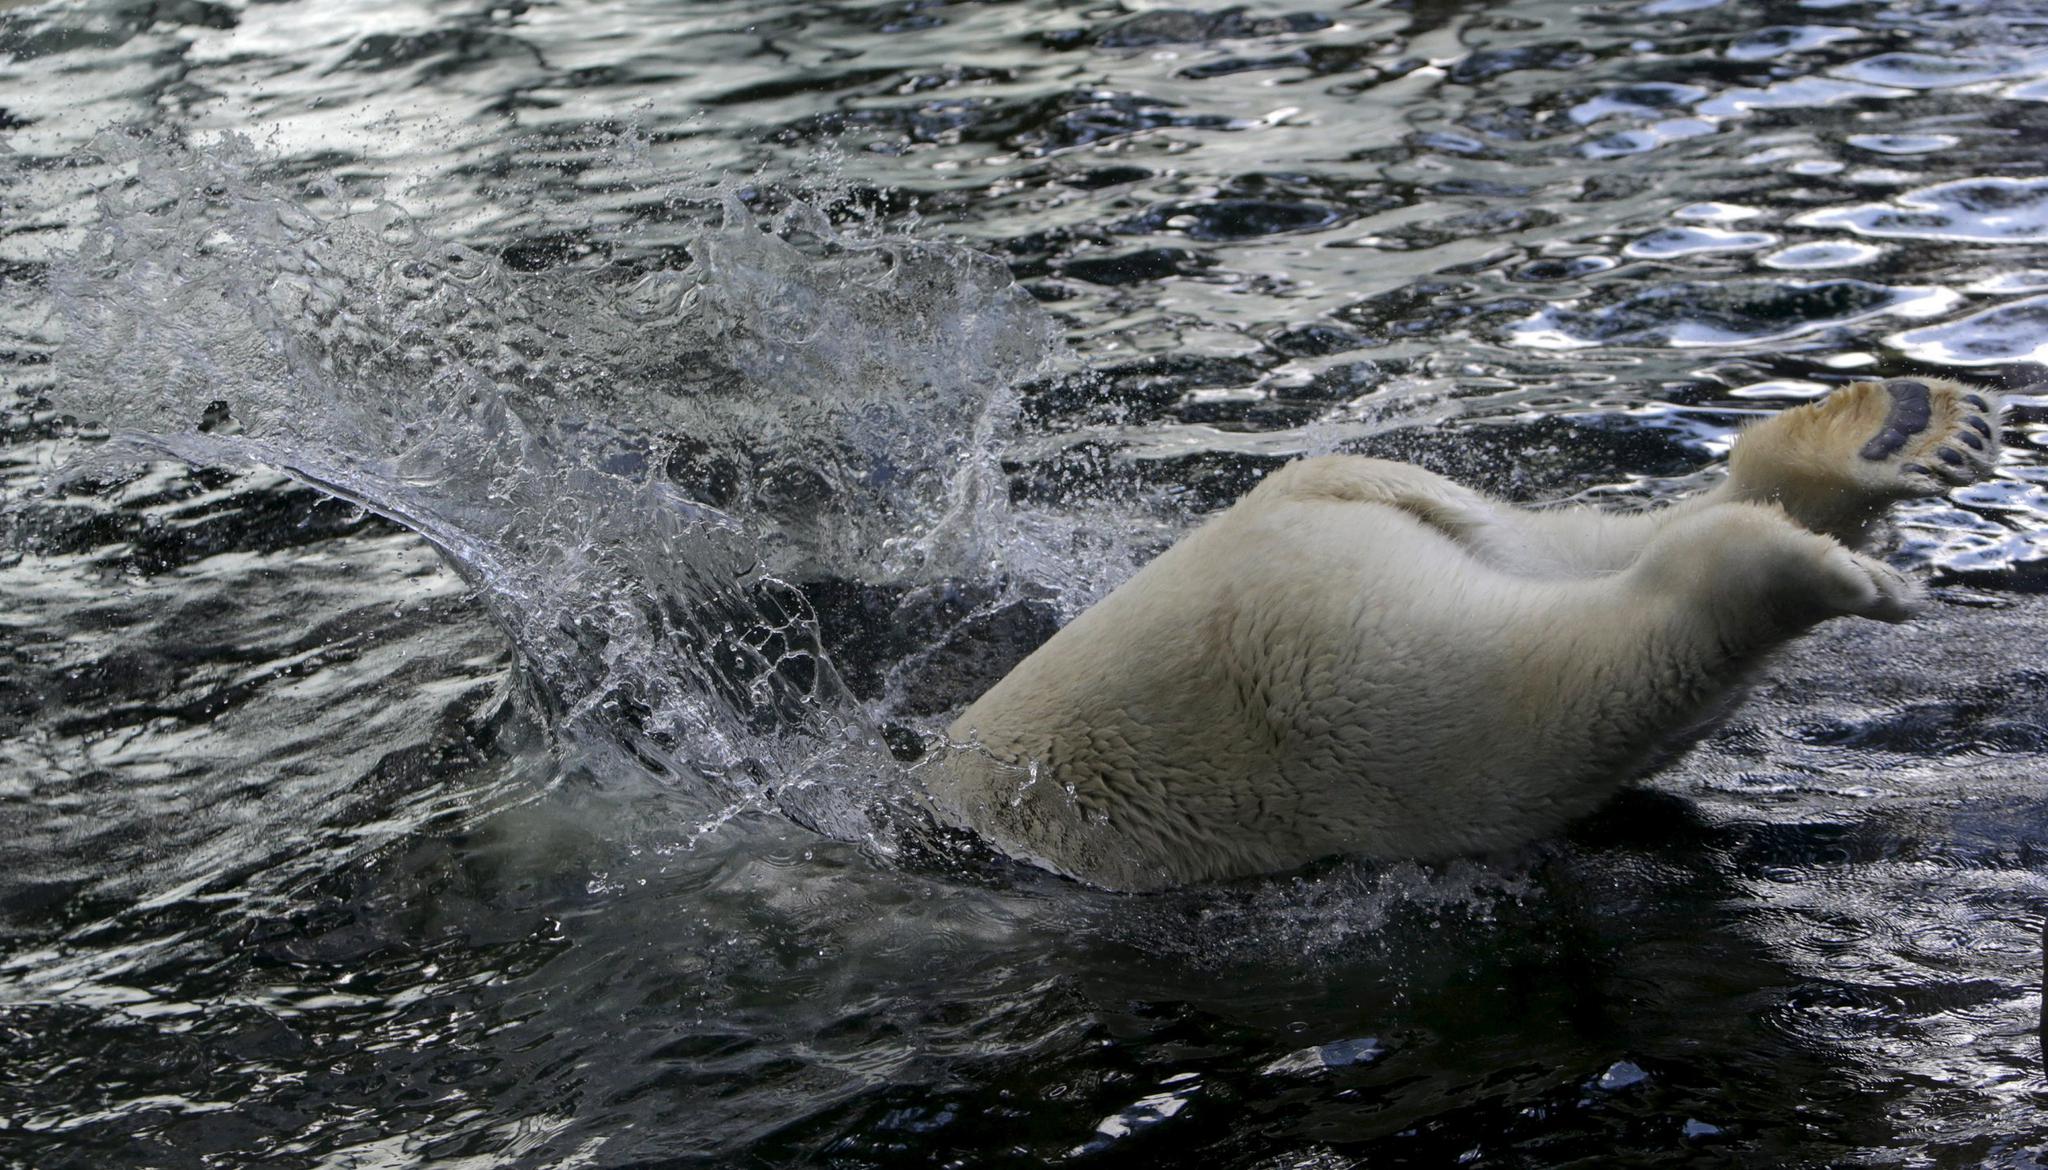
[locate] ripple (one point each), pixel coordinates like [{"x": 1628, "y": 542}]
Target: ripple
[
  {"x": 1319, "y": 1057},
  {"x": 1800, "y": 93},
  {"x": 1622, "y": 1074},
  {"x": 1938, "y": 941},
  {"x": 1692, "y": 241},
  {"x": 1825, "y": 254},
  {"x": 1142, "y": 1114},
  {"x": 1095, "y": 116},
  {"x": 1732, "y": 313},
  {"x": 1902, "y": 143},
  {"x": 1994, "y": 210},
  {"x": 1999, "y": 284},
  {"x": 1636, "y": 101},
  {"x": 1926, "y": 71},
  {"x": 2015, "y": 332},
  {"x": 1500, "y": 221},
  {"x": 1648, "y": 138},
  {"x": 1487, "y": 64},
  {"x": 1828, "y": 1013},
  {"x": 1712, "y": 212},
  {"x": 447, "y": 49},
  {"x": 1551, "y": 269},
  {"x": 1177, "y": 26},
  {"x": 1134, "y": 267},
  {"x": 1780, "y": 391},
  {"x": 1815, "y": 166},
  {"x": 1237, "y": 219},
  {"x": 1776, "y": 42},
  {"x": 2031, "y": 91}
]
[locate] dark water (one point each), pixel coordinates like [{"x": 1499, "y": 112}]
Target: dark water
[{"x": 565, "y": 457}]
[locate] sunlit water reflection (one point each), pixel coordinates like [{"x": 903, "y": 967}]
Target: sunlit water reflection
[{"x": 750, "y": 384}]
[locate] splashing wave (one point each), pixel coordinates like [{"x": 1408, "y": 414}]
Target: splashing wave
[{"x": 639, "y": 460}]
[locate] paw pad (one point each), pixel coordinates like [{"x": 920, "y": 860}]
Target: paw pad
[{"x": 1912, "y": 409}]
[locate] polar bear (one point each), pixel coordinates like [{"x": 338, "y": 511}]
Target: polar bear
[{"x": 1362, "y": 657}]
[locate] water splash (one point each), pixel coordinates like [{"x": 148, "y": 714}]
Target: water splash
[{"x": 640, "y": 459}]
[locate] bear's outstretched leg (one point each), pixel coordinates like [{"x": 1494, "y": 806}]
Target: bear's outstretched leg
[{"x": 1836, "y": 465}]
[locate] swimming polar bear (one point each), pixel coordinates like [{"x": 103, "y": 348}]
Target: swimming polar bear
[{"x": 1363, "y": 657}]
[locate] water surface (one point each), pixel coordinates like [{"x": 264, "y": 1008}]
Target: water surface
[{"x": 496, "y": 498}]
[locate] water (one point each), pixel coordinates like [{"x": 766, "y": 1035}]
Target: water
[{"x": 496, "y": 498}]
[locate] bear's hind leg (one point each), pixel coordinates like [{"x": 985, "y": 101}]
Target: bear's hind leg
[
  {"x": 1553, "y": 543},
  {"x": 1836, "y": 465},
  {"x": 1764, "y": 576}
]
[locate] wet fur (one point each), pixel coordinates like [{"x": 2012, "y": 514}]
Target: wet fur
[{"x": 1363, "y": 657}]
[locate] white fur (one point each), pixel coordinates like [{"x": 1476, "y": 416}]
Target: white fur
[{"x": 1363, "y": 657}]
